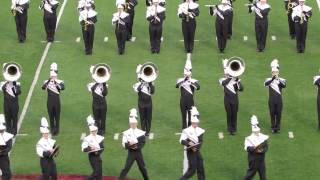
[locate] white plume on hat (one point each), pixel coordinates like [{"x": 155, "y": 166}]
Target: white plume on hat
[
  {"x": 120, "y": 2},
  {"x": 138, "y": 68},
  {"x": 275, "y": 65},
  {"x": 54, "y": 67},
  {"x": 187, "y": 67},
  {"x": 2, "y": 122},
  {"x": 44, "y": 126},
  {"x": 224, "y": 1},
  {"x": 194, "y": 114},
  {"x": 133, "y": 112},
  {"x": 254, "y": 120},
  {"x": 91, "y": 123}
]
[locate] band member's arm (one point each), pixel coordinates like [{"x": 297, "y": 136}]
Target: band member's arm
[
  {"x": 141, "y": 142},
  {"x": 268, "y": 81},
  {"x": 317, "y": 81},
  {"x": 162, "y": 3},
  {"x": 200, "y": 138},
  {"x": 265, "y": 12},
  {"x": 85, "y": 146},
  {"x": 225, "y": 81},
  {"x": 264, "y": 147},
  {"x": 133, "y": 3},
  {"x": 8, "y": 147},
  {"x": 101, "y": 144},
  {"x": 239, "y": 85},
  {"x": 94, "y": 87},
  {"x": 45, "y": 84},
  {"x": 162, "y": 15},
  {"x": 195, "y": 12},
  {"x": 152, "y": 89},
  {"x": 16, "y": 88},
  {"x": 93, "y": 19},
  {"x": 3, "y": 85},
  {"x": 211, "y": 11},
  {"x": 104, "y": 89},
  {"x": 195, "y": 84},
  {"x": 181, "y": 14},
  {"x": 60, "y": 86},
  {"x": 184, "y": 139},
  {"x": 248, "y": 146},
  {"x": 54, "y": 7},
  {"x": 148, "y": 3},
  {"x": 179, "y": 82},
  {"x": 282, "y": 83},
  {"x": 125, "y": 142},
  {"x": 308, "y": 14}
]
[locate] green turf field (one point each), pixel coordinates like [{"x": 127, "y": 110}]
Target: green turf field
[{"x": 289, "y": 159}]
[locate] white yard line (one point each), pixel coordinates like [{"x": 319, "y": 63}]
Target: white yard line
[
  {"x": 291, "y": 136},
  {"x": 78, "y": 39},
  {"x": 116, "y": 136},
  {"x": 36, "y": 77}
]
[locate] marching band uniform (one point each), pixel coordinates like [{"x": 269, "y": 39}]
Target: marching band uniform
[
  {"x": 46, "y": 149},
  {"x": 99, "y": 92},
  {"x": 145, "y": 90},
  {"x": 5, "y": 148},
  {"x": 223, "y": 13},
  {"x": 161, "y": 3},
  {"x": 275, "y": 85},
  {"x": 19, "y": 9},
  {"x": 300, "y": 16},
  {"x": 11, "y": 91},
  {"x": 49, "y": 17},
  {"x": 120, "y": 20},
  {"x": 87, "y": 19},
  {"x": 256, "y": 145},
  {"x": 83, "y": 3},
  {"x": 93, "y": 145},
  {"x": 187, "y": 86},
  {"x": 192, "y": 139},
  {"x": 130, "y": 10},
  {"x": 231, "y": 87},
  {"x": 188, "y": 11},
  {"x": 54, "y": 86},
  {"x": 230, "y": 19},
  {"x": 133, "y": 140},
  {"x": 261, "y": 10},
  {"x": 289, "y": 5},
  {"x": 316, "y": 81},
  {"x": 155, "y": 15}
]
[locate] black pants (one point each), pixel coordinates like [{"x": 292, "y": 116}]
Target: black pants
[
  {"x": 275, "y": 108},
  {"x": 188, "y": 30},
  {"x": 54, "y": 109},
  {"x": 185, "y": 107},
  {"x": 130, "y": 25},
  {"x": 231, "y": 110},
  {"x": 145, "y": 117},
  {"x": 195, "y": 165},
  {"x": 292, "y": 31},
  {"x": 5, "y": 167},
  {"x": 318, "y": 109},
  {"x": 50, "y": 26},
  {"x": 96, "y": 165},
  {"x": 155, "y": 33},
  {"x": 11, "y": 110},
  {"x": 121, "y": 35},
  {"x": 48, "y": 169},
  {"x": 222, "y": 34},
  {"x": 255, "y": 166},
  {"x": 21, "y": 25},
  {"x": 88, "y": 37},
  {"x": 230, "y": 25},
  {"x": 301, "y": 35},
  {"x": 100, "y": 116},
  {"x": 134, "y": 156},
  {"x": 261, "y": 27}
]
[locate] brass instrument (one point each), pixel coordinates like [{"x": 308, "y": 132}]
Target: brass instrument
[
  {"x": 188, "y": 17},
  {"x": 289, "y": 6},
  {"x": 11, "y": 71},
  {"x": 55, "y": 151},
  {"x": 148, "y": 72},
  {"x": 100, "y": 73},
  {"x": 235, "y": 66},
  {"x": 302, "y": 16},
  {"x": 14, "y": 12}
]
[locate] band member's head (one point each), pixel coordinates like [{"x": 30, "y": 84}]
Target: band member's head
[
  {"x": 2, "y": 124},
  {"x": 133, "y": 118},
  {"x": 53, "y": 70},
  {"x": 155, "y": 2},
  {"x": 301, "y": 2},
  {"x": 263, "y": 1},
  {"x": 224, "y": 2},
  {"x": 275, "y": 67},
  {"x": 194, "y": 117},
  {"x": 275, "y": 71},
  {"x": 255, "y": 129},
  {"x": 255, "y": 125},
  {"x": 53, "y": 75},
  {"x": 120, "y": 7},
  {"x": 92, "y": 127},
  {"x": 44, "y": 128}
]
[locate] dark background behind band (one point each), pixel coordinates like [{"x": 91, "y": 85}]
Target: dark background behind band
[{"x": 224, "y": 160}]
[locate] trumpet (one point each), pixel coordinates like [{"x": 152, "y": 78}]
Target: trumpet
[
  {"x": 148, "y": 72},
  {"x": 234, "y": 66},
  {"x": 11, "y": 71},
  {"x": 100, "y": 73}
]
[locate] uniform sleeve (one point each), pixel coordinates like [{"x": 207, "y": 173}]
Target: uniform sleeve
[
  {"x": 3, "y": 85},
  {"x": 248, "y": 146},
  {"x": 85, "y": 146},
  {"x": 45, "y": 84},
  {"x": 9, "y": 146},
  {"x": 39, "y": 150},
  {"x": 224, "y": 81},
  {"x": 141, "y": 141},
  {"x": 17, "y": 89},
  {"x": 105, "y": 89},
  {"x": 268, "y": 81},
  {"x": 239, "y": 85},
  {"x": 183, "y": 138},
  {"x": 195, "y": 12},
  {"x": 124, "y": 142},
  {"x": 60, "y": 86},
  {"x": 196, "y": 85},
  {"x": 152, "y": 88},
  {"x": 200, "y": 141},
  {"x": 282, "y": 83}
]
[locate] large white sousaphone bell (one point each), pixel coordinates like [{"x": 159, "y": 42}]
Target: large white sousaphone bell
[
  {"x": 234, "y": 66},
  {"x": 11, "y": 71},
  {"x": 100, "y": 73},
  {"x": 148, "y": 72}
]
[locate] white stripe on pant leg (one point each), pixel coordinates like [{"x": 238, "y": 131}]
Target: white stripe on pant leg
[
  {"x": 185, "y": 161},
  {"x": 36, "y": 77}
]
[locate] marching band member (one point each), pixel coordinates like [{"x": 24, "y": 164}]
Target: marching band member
[
  {"x": 300, "y": 16},
  {"x": 316, "y": 81},
  {"x": 230, "y": 19},
  {"x": 47, "y": 149},
  {"x": 129, "y": 6},
  {"x": 256, "y": 145},
  {"x": 161, "y": 3},
  {"x": 192, "y": 139},
  {"x": 261, "y": 10},
  {"x": 11, "y": 90},
  {"x": 188, "y": 11},
  {"x": 49, "y": 8},
  {"x": 93, "y": 145},
  {"x": 231, "y": 86},
  {"x": 5, "y": 148},
  {"x": 120, "y": 20},
  {"x": 223, "y": 13},
  {"x": 133, "y": 140},
  {"x": 54, "y": 86},
  {"x": 155, "y": 15},
  {"x": 289, "y": 5},
  {"x": 83, "y": 3},
  {"x": 99, "y": 92},
  {"x": 275, "y": 84},
  {"x": 187, "y": 86},
  {"x": 87, "y": 19},
  {"x": 145, "y": 90},
  {"x": 19, "y": 9}
]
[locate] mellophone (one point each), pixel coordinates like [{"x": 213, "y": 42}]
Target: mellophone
[{"x": 55, "y": 151}]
